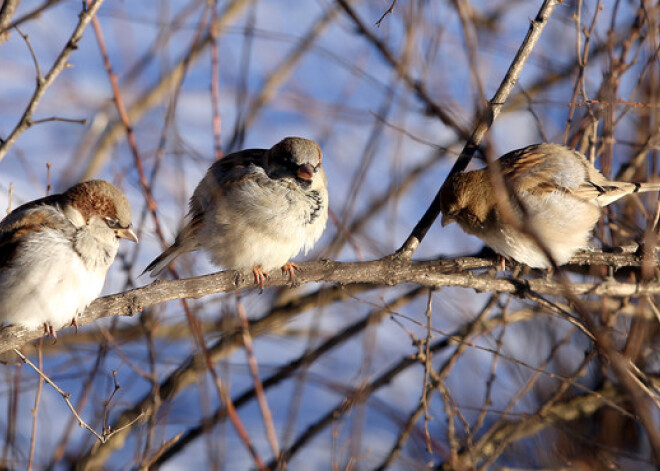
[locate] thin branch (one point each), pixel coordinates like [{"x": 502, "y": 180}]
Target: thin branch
[
  {"x": 587, "y": 404},
  {"x": 195, "y": 364},
  {"x": 32, "y": 54},
  {"x": 215, "y": 82},
  {"x": 35, "y": 410},
  {"x": 65, "y": 395},
  {"x": 44, "y": 83},
  {"x": 485, "y": 122},
  {"x": 258, "y": 386},
  {"x": 294, "y": 367},
  {"x": 389, "y": 11},
  {"x": 154, "y": 95},
  {"x": 7, "y": 11},
  {"x": 62, "y": 120},
  {"x": 121, "y": 109},
  {"x": 415, "y": 85},
  {"x": 278, "y": 76},
  {"x": 508, "y": 431}
]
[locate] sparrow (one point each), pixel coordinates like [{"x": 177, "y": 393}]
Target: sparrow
[
  {"x": 256, "y": 209},
  {"x": 557, "y": 193},
  {"x": 55, "y": 253}
]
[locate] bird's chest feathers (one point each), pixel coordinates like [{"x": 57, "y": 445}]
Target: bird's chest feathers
[
  {"x": 311, "y": 205},
  {"x": 96, "y": 253},
  {"x": 291, "y": 201}
]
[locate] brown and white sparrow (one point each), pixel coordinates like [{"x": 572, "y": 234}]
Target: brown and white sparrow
[
  {"x": 56, "y": 251},
  {"x": 256, "y": 209},
  {"x": 562, "y": 195}
]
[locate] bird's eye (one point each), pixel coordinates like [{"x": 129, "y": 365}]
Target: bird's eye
[
  {"x": 472, "y": 219},
  {"x": 111, "y": 222}
]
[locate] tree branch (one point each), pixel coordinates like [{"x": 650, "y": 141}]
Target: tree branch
[
  {"x": 387, "y": 272},
  {"x": 44, "y": 83}
]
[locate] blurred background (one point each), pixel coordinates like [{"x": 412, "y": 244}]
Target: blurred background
[{"x": 358, "y": 377}]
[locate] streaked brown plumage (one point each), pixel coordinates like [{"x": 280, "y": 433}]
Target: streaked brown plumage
[{"x": 562, "y": 194}]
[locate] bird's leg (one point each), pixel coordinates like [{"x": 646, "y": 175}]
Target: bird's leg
[
  {"x": 74, "y": 323},
  {"x": 548, "y": 273},
  {"x": 259, "y": 277},
  {"x": 502, "y": 262},
  {"x": 290, "y": 268},
  {"x": 48, "y": 330}
]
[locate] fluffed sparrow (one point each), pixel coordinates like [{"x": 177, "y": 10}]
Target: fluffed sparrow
[
  {"x": 56, "y": 251},
  {"x": 562, "y": 194},
  {"x": 256, "y": 209}
]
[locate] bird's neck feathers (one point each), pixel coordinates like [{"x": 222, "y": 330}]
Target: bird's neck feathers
[
  {"x": 316, "y": 184},
  {"x": 74, "y": 215},
  {"x": 94, "y": 241}
]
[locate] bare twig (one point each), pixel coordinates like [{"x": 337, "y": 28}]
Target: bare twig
[
  {"x": 32, "y": 54},
  {"x": 415, "y": 85},
  {"x": 44, "y": 83},
  {"x": 62, "y": 120},
  {"x": 35, "y": 410},
  {"x": 389, "y": 11},
  {"x": 144, "y": 102},
  {"x": 293, "y": 367},
  {"x": 64, "y": 395},
  {"x": 215, "y": 82},
  {"x": 7, "y": 11},
  {"x": 258, "y": 386},
  {"x": 121, "y": 109},
  {"x": 508, "y": 431},
  {"x": 496, "y": 103}
]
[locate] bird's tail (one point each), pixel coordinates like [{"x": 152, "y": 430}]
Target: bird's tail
[
  {"x": 621, "y": 189},
  {"x": 186, "y": 241},
  {"x": 161, "y": 262}
]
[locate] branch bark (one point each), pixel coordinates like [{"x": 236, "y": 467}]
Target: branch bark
[
  {"x": 386, "y": 272},
  {"x": 6, "y": 14}
]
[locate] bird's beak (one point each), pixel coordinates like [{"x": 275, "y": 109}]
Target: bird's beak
[
  {"x": 127, "y": 233},
  {"x": 447, "y": 219},
  {"x": 305, "y": 172}
]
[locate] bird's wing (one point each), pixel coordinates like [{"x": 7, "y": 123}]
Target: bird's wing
[
  {"x": 27, "y": 219},
  {"x": 548, "y": 168}
]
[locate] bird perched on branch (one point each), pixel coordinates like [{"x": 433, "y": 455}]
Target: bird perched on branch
[
  {"x": 556, "y": 193},
  {"x": 256, "y": 209},
  {"x": 55, "y": 253}
]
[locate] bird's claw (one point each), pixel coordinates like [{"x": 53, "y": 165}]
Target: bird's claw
[
  {"x": 48, "y": 330},
  {"x": 291, "y": 268},
  {"x": 259, "y": 277}
]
